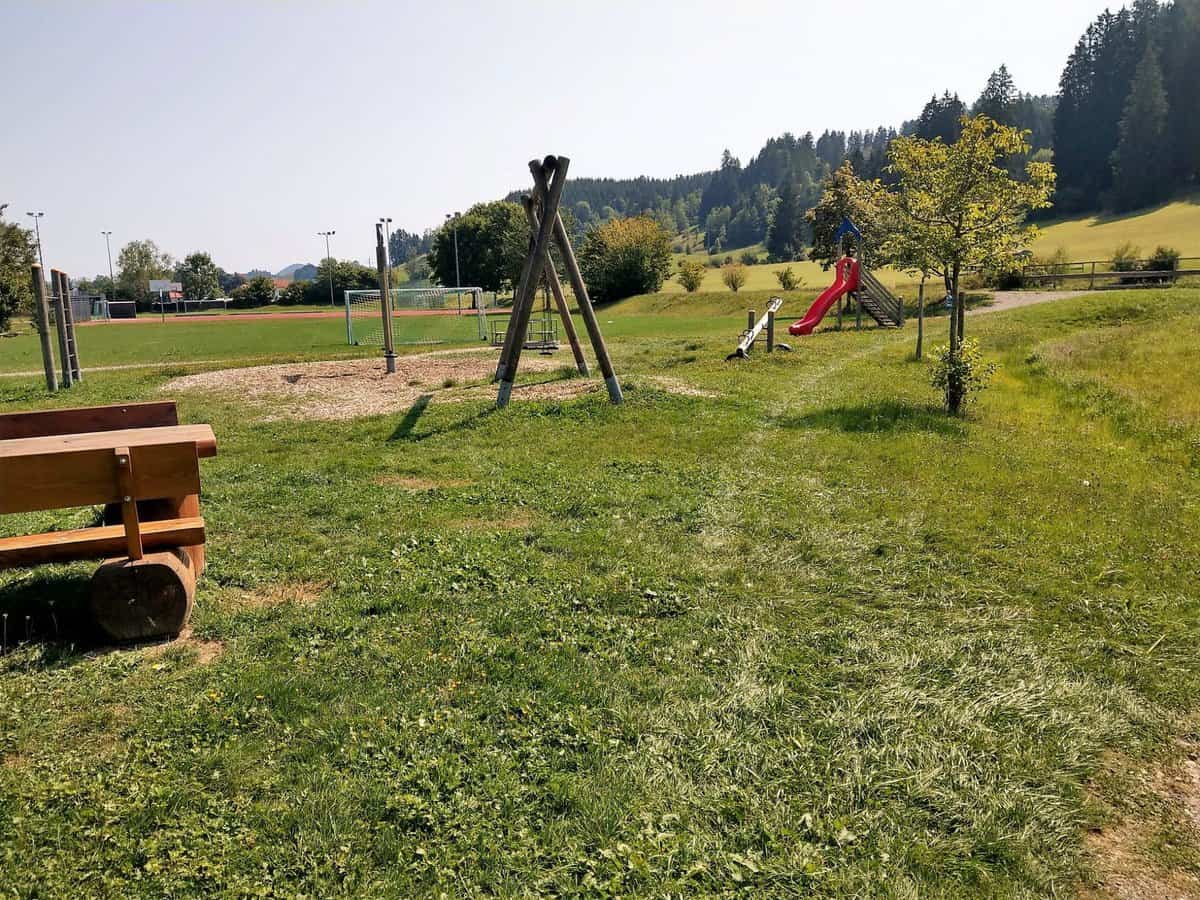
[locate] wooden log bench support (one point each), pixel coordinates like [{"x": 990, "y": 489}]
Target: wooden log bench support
[{"x": 144, "y": 468}]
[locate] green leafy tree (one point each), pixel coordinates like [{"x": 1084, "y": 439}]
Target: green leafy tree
[
  {"x": 734, "y": 276},
  {"x": 258, "y": 291},
  {"x": 17, "y": 255},
  {"x": 957, "y": 207},
  {"x": 863, "y": 202},
  {"x": 199, "y": 276},
  {"x": 691, "y": 275},
  {"x": 493, "y": 239},
  {"x": 347, "y": 276},
  {"x": 137, "y": 264},
  {"x": 1141, "y": 163},
  {"x": 294, "y": 294},
  {"x": 624, "y": 257}
]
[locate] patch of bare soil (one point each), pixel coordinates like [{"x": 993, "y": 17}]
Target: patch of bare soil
[
  {"x": 205, "y": 652},
  {"x": 347, "y": 389},
  {"x": 412, "y": 483},
  {"x": 1120, "y": 853},
  {"x": 300, "y": 593}
]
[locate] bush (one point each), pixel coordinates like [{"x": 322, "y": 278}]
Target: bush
[
  {"x": 625, "y": 257},
  {"x": 748, "y": 258},
  {"x": 787, "y": 279},
  {"x": 1165, "y": 259},
  {"x": 734, "y": 275},
  {"x": 1125, "y": 257},
  {"x": 960, "y": 377},
  {"x": 691, "y": 275}
]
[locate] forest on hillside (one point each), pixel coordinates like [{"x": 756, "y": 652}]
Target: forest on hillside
[{"x": 1123, "y": 131}]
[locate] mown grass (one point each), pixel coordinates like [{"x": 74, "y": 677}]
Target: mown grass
[{"x": 805, "y": 636}]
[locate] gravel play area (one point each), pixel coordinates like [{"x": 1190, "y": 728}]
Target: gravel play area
[{"x": 347, "y": 389}]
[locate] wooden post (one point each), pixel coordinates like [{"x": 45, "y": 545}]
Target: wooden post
[
  {"x": 560, "y": 299},
  {"x": 129, "y": 510},
  {"x": 60, "y": 324},
  {"x": 770, "y": 331},
  {"x": 1092, "y": 282},
  {"x": 538, "y": 256},
  {"x": 385, "y": 299},
  {"x": 750, "y": 320},
  {"x": 42, "y": 316},
  {"x": 858, "y": 308},
  {"x": 581, "y": 294},
  {"x": 921, "y": 317},
  {"x": 69, "y": 317},
  {"x": 509, "y": 333}
]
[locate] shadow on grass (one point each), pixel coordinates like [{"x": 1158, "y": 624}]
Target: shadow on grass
[
  {"x": 49, "y": 610},
  {"x": 409, "y": 422},
  {"x": 406, "y": 430},
  {"x": 884, "y": 417}
]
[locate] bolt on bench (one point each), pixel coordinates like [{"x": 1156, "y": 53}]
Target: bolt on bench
[{"x": 143, "y": 466}]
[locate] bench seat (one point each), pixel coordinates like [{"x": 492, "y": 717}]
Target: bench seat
[{"x": 96, "y": 543}]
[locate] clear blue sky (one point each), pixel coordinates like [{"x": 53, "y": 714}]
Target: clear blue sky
[{"x": 244, "y": 128}]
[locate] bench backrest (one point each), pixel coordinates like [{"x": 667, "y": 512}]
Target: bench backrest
[
  {"x": 64, "y": 478},
  {"x": 49, "y": 422}
]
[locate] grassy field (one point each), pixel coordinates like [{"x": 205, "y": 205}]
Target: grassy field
[
  {"x": 797, "y": 634},
  {"x": 1175, "y": 225}
]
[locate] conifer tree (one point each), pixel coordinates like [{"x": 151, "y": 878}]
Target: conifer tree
[{"x": 1141, "y": 174}]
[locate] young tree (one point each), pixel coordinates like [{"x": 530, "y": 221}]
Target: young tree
[
  {"x": 137, "y": 264},
  {"x": 784, "y": 233},
  {"x": 199, "y": 276},
  {"x": 734, "y": 276},
  {"x": 691, "y": 275},
  {"x": 960, "y": 206},
  {"x": 1141, "y": 163},
  {"x": 625, "y": 257},
  {"x": 17, "y": 255}
]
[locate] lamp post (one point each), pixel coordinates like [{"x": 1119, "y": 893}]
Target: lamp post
[
  {"x": 328, "y": 261},
  {"x": 38, "y": 234},
  {"x": 454, "y": 227},
  {"x": 112, "y": 282}
]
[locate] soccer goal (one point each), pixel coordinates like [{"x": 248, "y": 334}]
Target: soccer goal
[{"x": 430, "y": 315}]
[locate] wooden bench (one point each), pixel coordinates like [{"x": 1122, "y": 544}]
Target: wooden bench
[{"x": 143, "y": 467}]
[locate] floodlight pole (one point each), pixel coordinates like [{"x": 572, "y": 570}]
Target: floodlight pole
[
  {"x": 328, "y": 262},
  {"x": 112, "y": 282},
  {"x": 38, "y": 234},
  {"x": 454, "y": 227}
]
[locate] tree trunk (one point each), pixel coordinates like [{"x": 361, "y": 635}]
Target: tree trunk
[
  {"x": 954, "y": 390},
  {"x": 921, "y": 317}
]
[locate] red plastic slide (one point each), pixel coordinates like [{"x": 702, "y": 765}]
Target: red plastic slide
[{"x": 846, "y": 281}]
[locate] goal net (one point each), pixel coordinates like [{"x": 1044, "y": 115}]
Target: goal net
[{"x": 430, "y": 315}]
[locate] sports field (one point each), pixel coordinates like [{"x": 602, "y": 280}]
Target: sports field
[{"x": 772, "y": 628}]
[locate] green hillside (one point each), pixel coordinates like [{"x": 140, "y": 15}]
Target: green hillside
[{"x": 1175, "y": 225}]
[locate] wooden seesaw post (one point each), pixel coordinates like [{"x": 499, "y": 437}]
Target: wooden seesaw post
[
  {"x": 549, "y": 176},
  {"x": 754, "y": 329}
]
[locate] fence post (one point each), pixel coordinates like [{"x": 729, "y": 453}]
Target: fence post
[
  {"x": 1092, "y": 283},
  {"x": 770, "y": 330}
]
